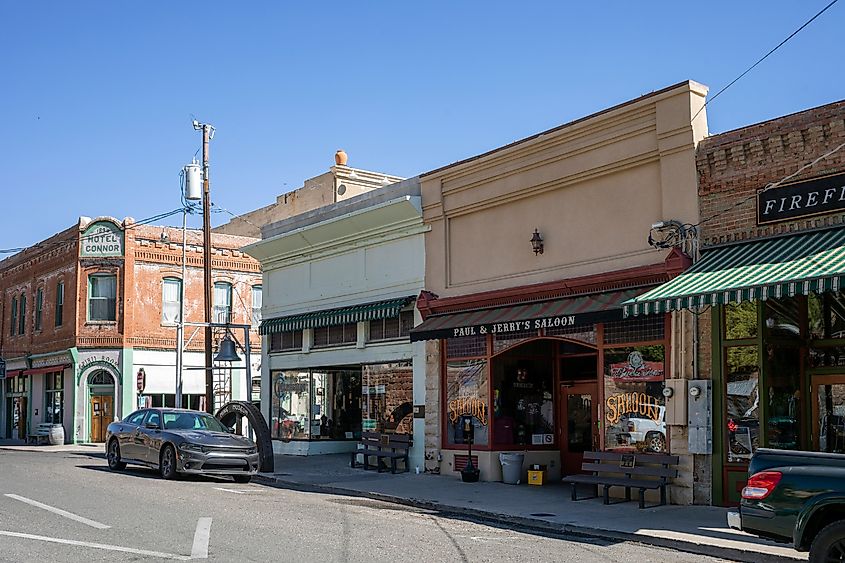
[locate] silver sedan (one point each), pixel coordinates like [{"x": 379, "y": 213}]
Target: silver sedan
[{"x": 180, "y": 441}]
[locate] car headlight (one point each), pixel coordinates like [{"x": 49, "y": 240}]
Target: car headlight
[
  {"x": 187, "y": 446},
  {"x": 252, "y": 450}
]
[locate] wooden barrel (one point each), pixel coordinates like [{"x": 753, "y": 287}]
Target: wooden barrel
[{"x": 57, "y": 435}]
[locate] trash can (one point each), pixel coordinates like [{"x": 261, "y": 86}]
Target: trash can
[{"x": 511, "y": 467}]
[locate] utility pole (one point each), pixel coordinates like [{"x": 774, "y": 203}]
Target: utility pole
[{"x": 207, "y": 133}]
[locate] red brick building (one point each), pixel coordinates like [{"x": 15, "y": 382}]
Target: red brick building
[
  {"x": 84, "y": 312},
  {"x": 767, "y": 291}
]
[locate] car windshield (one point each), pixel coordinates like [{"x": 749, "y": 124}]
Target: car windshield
[{"x": 192, "y": 421}]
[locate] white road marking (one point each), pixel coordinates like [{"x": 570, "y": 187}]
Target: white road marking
[
  {"x": 230, "y": 491},
  {"x": 60, "y": 512},
  {"x": 201, "y": 537},
  {"x": 107, "y": 547}
]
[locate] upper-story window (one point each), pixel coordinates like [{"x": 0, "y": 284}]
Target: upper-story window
[
  {"x": 171, "y": 293},
  {"x": 336, "y": 335},
  {"x": 22, "y": 314},
  {"x": 14, "y": 324},
  {"x": 60, "y": 303},
  {"x": 222, "y": 302},
  {"x": 39, "y": 307},
  {"x": 392, "y": 327},
  {"x": 102, "y": 295},
  {"x": 285, "y": 341},
  {"x": 257, "y": 300}
]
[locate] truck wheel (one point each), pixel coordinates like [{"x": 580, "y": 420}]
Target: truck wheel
[
  {"x": 656, "y": 442},
  {"x": 829, "y": 544}
]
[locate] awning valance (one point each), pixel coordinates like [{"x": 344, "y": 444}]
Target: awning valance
[
  {"x": 568, "y": 311},
  {"x": 342, "y": 315},
  {"x": 771, "y": 268}
]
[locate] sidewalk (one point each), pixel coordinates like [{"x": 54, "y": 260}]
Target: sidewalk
[
  {"x": 21, "y": 446},
  {"x": 546, "y": 509}
]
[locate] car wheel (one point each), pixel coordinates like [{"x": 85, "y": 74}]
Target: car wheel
[
  {"x": 114, "y": 457},
  {"x": 829, "y": 544},
  {"x": 242, "y": 478},
  {"x": 167, "y": 462},
  {"x": 656, "y": 442}
]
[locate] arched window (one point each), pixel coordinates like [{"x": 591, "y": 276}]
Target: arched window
[
  {"x": 222, "y": 302},
  {"x": 171, "y": 294},
  {"x": 100, "y": 377}
]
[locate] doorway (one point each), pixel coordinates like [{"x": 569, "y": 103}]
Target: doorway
[
  {"x": 828, "y": 398},
  {"x": 16, "y": 422},
  {"x": 102, "y": 407},
  {"x": 579, "y": 413}
]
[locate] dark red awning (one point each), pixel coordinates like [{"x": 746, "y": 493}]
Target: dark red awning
[{"x": 48, "y": 369}]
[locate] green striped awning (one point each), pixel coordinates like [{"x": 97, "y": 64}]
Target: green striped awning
[
  {"x": 330, "y": 317},
  {"x": 777, "y": 267}
]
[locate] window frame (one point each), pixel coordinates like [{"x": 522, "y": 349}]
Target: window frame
[
  {"x": 102, "y": 275},
  {"x": 256, "y": 311},
  {"x": 14, "y": 316},
  {"x": 228, "y": 305},
  {"x": 60, "y": 303},
  {"x": 39, "y": 308},
  {"x": 170, "y": 280},
  {"x": 22, "y": 314}
]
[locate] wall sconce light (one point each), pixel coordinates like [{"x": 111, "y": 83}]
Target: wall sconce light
[{"x": 537, "y": 242}]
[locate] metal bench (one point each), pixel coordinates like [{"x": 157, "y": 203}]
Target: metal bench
[
  {"x": 382, "y": 446},
  {"x": 632, "y": 471}
]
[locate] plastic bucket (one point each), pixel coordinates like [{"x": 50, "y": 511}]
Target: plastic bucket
[{"x": 511, "y": 467}]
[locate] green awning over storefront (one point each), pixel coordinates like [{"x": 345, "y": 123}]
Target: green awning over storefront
[
  {"x": 343, "y": 315},
  {"x": 772, "y": 268}
]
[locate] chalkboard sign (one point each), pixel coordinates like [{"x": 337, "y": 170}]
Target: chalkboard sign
[{"x": 627, "y": 460}]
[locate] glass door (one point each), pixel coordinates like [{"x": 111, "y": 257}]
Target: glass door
[
  {"x": 829, "y": 413},
  {"x": 580, "y": 430}
]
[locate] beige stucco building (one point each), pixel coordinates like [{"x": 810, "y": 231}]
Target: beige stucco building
[{"x": 528, "y": 338}]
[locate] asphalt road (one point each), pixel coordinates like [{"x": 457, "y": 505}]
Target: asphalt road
[{"x": 69, "y": 507}]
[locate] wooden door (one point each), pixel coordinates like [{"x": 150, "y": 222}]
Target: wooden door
[
  {"x": 579, "y": 414},
  {"x": 101, "y": 416}
]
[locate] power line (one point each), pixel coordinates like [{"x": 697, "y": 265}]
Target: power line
[{"x": 764, "y": 57}]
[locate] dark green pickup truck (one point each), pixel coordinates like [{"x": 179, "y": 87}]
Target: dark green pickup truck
[{"x": 796, "y": 497}]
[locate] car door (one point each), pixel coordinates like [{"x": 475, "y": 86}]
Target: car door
[
  {"x": 126, "y": 431},
  {"x": 150, "y": 437}
]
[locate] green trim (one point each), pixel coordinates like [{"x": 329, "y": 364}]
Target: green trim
[
  {"x": 716, "y": 369},
  {"x": 331, "y": 317},
  {"x": 127, "y": 384}
]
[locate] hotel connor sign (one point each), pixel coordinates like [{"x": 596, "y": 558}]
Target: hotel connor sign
[
  {"x": 101, "y": 239},
  {"x": 801, "y": 199}
]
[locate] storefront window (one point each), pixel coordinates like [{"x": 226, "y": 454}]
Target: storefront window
[
  {"x": 741, "y": 320},
  {"x": 743, "y": 401},
  {"x": 54, "y": 398},
  {"x": 387, "y": 394},
  {"x": 523, "y": 405},
  {"x": 831, "y": 409},
  {"x": 289, "y": 407},
  {"x": 639, "y": 329},
  {"x": 634, "y": 406},
  {"x": 783, "y": 425},
  {"x": 336, "y": 405},
  {"x": 466, "y": 394}
]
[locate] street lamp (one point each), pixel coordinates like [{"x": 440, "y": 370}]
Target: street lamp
[{"x": 192, "y": 191}]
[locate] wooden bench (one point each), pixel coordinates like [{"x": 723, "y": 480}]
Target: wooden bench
[
  {"x": 382, "y": 446},
  {"x": 41, "y": 432},
  {"x": 632, "y": 471}
]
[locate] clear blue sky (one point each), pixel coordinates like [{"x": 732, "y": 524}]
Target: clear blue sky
[{"x": 97, "y": 97}]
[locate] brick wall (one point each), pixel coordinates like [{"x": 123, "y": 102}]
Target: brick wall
[{"x": 733, "y": 166}]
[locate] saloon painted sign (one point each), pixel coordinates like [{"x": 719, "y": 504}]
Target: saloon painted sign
[{"x": 101, "y": 239}]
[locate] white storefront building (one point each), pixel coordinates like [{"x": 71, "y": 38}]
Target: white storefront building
[{"x": 340, "y": 284}]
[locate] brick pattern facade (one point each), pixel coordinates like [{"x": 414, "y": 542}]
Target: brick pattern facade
[{"x": 734, "y": 166}]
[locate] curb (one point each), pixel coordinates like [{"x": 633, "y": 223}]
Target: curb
[{"x": 538, "y": 526}]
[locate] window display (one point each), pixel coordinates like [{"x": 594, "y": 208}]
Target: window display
[
  {"x": 634, "y": 405},
  {"x": 523, "y": 405},
  {"x": 54, "y": 397},
  {"x": 387, "y": 395},
  {"x": 742, "y": 402},
  {"x": 467, "y": 394},
  {"x": 289, "y": 409}
]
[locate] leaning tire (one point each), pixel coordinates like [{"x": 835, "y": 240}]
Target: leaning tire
[
  {"x": 242, "y": 478},
  {"x": 829, "y": 544},
  {"x": 167, "y": 462},
  {"x": 113, "y": 456},
  {"x": 656, "y": 442},
  {"x": 229, "y": 414}
]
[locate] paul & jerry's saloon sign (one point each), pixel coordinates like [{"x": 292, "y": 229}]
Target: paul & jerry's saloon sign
[{"x": 801, "y": 199}]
